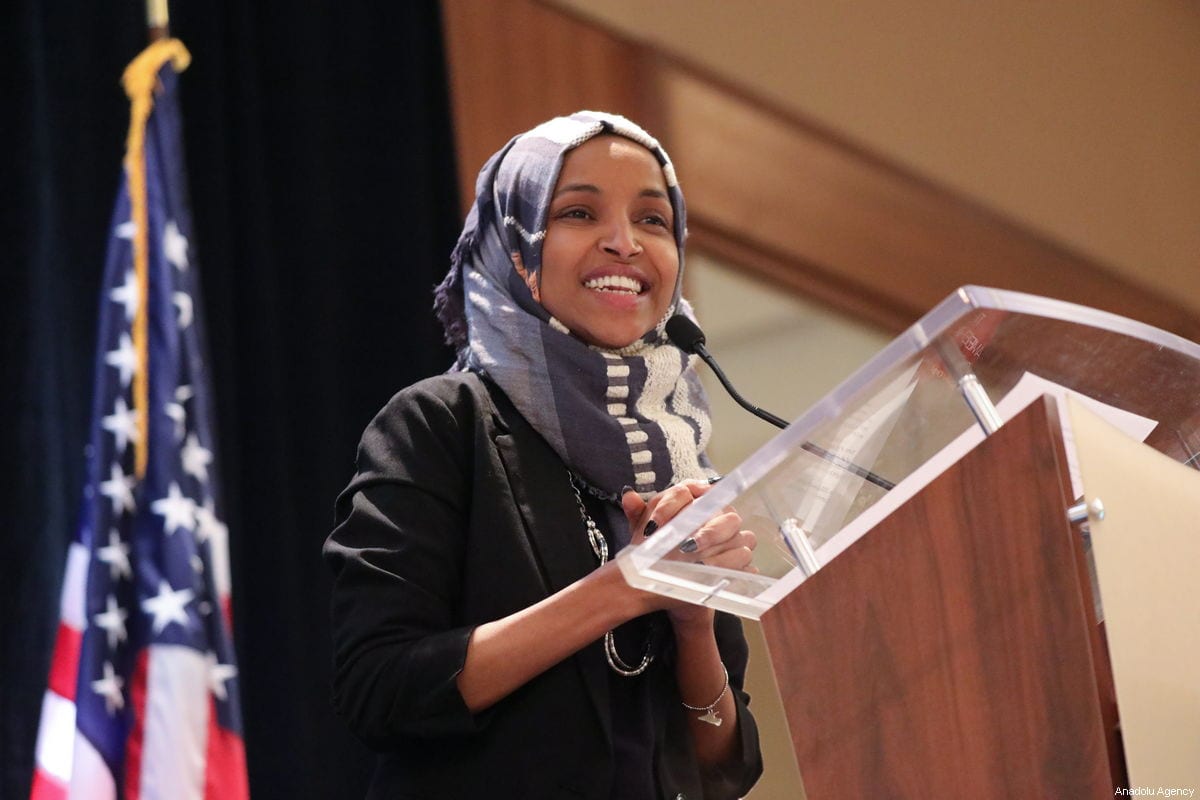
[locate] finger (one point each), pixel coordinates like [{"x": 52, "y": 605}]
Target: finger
[
  {"x": 738, "y": 553},
  {"x": 633, "y": 505},
  {"x": 737, "y": 558},
  {"x": 665, "y": 505},
  {"x": 717, "y": 530},
  {"x": 743, "y": 539}
]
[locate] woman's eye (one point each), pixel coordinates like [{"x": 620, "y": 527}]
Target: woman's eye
[
  {"x": 574, "y": 213},
  {"x": 657, "y": 219}
]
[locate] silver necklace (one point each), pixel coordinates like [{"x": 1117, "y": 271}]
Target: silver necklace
[{"x": 600, "y": 548}]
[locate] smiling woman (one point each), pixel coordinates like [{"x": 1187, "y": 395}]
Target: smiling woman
[
  {"x": 485, "y": 641},
  {"x": 610, "y": 263}
]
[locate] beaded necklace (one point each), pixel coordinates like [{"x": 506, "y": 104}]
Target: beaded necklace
[{"x": 600, "y": 548}]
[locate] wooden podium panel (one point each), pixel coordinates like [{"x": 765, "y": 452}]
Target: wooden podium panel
[{"x": 952, "y": 651}]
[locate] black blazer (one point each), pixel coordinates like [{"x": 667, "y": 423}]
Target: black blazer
[{"x": 460, "y": 514}]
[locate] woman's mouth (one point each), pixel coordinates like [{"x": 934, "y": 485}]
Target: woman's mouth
[{"x": 618, "y": 284}]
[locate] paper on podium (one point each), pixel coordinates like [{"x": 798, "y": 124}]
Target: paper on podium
[{"x": 1147, "y": 552}]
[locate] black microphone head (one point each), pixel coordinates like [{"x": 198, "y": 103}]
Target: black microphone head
[{"x": 684, "y": 334}]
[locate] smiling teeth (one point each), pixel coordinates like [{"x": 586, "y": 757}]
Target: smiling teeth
[{"x": 615, "y": 283}]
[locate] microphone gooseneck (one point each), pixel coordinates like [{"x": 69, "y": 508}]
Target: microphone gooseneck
[{"x": 687, "y": 336}]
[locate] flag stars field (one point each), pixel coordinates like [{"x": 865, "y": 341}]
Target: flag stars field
[
  {"x": 116, "y": 555},
  {"x": 175, "y": 246},
  {"x": 109, "y": 687},
  {"x": 169, "y": 605},
  {"x": 177, "y": 510},
  {"x": 119, "y": 489},
  {"x": 209, "y": 526},
  {"x": 177, "y": 411},
  {"x": 218, "y": 674},
  {"x": 195, "y": 458},
  {"x": 112, "y": 621},
  {"x": 122, "y": 424},
  {"x": 178, "y": 416},
  {"x": 123, "y": 358},
  {"x": 183, "y": 302},
  {"x": 127, "y": 295}
]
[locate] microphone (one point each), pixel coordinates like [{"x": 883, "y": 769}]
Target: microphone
[{"x": 687, "y": 336}]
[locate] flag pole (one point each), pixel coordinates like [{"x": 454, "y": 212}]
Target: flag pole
[{"x": 157, "y": 19}]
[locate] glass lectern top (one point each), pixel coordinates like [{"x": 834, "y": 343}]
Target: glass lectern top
[{"x": 975, "y": 360}]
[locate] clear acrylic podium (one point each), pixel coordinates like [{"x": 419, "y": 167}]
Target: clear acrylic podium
[{"x": 922, "y": 577}]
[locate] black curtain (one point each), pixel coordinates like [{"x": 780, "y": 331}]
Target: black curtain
[{"x": 322, "y": 182}]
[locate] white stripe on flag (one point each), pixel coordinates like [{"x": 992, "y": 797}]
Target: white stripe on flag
[
  {"x": 74, "y": 584},
  {"x": 90, "y": 779},
  {"x": 176, "y": 732},
  {"x": 56, "y": 736},
  {"x": 218, "y": 544}
]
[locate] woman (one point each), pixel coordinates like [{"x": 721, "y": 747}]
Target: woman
[{"x": 484, "y": 640}]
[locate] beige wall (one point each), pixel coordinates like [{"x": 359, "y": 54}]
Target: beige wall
[
  {"x": 782, "y": 352},
  {"x": 1080, "y": 120}
]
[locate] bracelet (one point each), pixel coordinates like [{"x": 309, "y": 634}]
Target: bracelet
[{"x": 710, "y": 714}]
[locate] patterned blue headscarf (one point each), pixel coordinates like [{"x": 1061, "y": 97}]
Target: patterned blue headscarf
[{"x": 631, "y": 417}]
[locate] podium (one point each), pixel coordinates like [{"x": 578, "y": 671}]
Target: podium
[{"x": 925, "y": 577}]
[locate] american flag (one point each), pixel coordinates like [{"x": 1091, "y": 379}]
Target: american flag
[{"x": 142, "y": 699}]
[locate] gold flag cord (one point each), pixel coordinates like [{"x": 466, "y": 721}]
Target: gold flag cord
[{"x": 140, "y": 80}]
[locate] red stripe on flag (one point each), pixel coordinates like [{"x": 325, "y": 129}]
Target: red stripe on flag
[
  {"x": 46, "y": 787},
  {"x": 135, "y": 742},
  {"x": 64, "y": 666},
  {"x": 225, "y": 769}
]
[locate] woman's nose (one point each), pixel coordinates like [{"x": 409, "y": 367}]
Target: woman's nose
[{"x": 620, "y": 240}]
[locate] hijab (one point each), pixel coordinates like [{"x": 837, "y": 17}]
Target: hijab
[{"x": 634, "y": 417}]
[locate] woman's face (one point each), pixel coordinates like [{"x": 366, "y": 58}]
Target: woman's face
[{"x": 609, "y": 260}]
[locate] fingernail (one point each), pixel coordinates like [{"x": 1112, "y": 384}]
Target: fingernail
[
  {"x": 625, "y": 490},
  {"x": 714, "y": 479},
  {"x": 651, "y": 527},
  {"x": 689, "y": 546}
]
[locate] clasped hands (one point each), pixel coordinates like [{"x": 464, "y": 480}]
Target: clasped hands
[{"x": 719, "y": 542}]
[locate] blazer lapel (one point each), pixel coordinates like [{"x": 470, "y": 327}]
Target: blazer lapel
[{"x": 541, "y": 487}]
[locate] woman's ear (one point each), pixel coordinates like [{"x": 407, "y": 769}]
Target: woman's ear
[{"x": 530, "y": 278}]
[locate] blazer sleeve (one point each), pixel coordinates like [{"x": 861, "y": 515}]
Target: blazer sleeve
[{"x": 396, "y": 554}]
